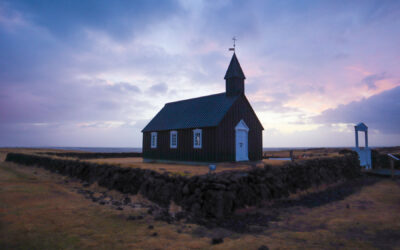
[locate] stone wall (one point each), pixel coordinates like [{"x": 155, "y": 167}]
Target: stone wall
[
  {"x": 383, "y": 160},
  {"x": 93, "y": 155},
  {"x": 206, "y": 196}
]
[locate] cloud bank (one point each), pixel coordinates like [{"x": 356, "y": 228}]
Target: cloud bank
[
  {"x": 93, "y": 73},
  {"x": 380, "y": 112}
]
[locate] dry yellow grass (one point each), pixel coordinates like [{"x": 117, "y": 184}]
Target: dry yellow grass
[
  {"x": 35, "y": 150},
  {"x": 304, "y": 153},
  {"x": 389, "y": 150},
  {"x": 180, "y": 169},
  {"x": 137, "y": 162},
  {"x": 186, "y": 169},
  {"x": 366, "y": 220},
  {"x": 38, "y": 211}
]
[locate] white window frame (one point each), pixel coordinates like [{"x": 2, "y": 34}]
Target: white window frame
[
  {"x": 171, "y": 134},
  {"x": 197, "y": 131},
  {"x": 153, "y": 140}
]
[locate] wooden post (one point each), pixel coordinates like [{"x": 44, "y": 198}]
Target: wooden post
[{"x": 392, "y": 167}]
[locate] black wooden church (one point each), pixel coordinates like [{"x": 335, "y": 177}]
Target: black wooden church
[{"x": 214, "y": 128}]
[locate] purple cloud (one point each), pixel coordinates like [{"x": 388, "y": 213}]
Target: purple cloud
[
  {"x": 371, "y": 80},
  {"x": 69, "y": 69},
  {"x": 160, "y": 88},
  {"x": 380, "y": 112}
]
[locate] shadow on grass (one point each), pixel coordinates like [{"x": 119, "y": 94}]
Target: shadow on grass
[
  {"x": 331, "y": 194},
  {"x": 256, "y": 220}
]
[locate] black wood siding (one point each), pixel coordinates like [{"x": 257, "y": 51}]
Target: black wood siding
[
  {"x": 241, "y": 109},
  {"x": 185, "y": 150},
  {"x": 218, "y": 143}
]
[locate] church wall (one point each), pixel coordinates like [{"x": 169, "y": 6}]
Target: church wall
[
  {"x": 241, "y": 109},
  {"x": 185, "y": 150},
  {"x": 218, "y": 143}
]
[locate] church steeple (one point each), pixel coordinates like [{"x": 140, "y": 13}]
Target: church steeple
[{"x": 234, "y": 78}]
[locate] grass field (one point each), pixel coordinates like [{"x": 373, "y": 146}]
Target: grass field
[
  {"x": 183, "y": 169},
  {"x": 191, "y": 170},
  {"x": 137, "y": 162},
  {"x": 41, "y": 210}
]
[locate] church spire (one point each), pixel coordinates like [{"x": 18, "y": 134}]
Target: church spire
[
  {"x": 234, "y": 69},
  {"x": 234, "y": 78}
]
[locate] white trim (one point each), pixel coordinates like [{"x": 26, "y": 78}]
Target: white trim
[
  {"x": 242, "y": 126},
  {"x": 200, "y": 138},
  {"x": 171, "y": 134},
  {"x": 153, "y": 140}
]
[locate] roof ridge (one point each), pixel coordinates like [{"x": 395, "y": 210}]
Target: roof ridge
[
  {"x": 195, "y": 98},
  {"x": 204, "y": 111}
]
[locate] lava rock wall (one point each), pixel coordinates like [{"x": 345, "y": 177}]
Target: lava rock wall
[
  {"x": 205, "y": 196},
  {"x": 383, "y": 160},
  {"x": 93, "y": 155}
]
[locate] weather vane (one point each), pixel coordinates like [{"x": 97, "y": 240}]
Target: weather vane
[{"x": 234, "y": 44}]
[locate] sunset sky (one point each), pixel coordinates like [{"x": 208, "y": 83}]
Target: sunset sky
[{"x": 93, "y": 73}]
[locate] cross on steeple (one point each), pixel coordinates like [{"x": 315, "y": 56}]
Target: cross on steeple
[
  {"x": 234, "y": 44},
  {"x": 234, "y": 77}
]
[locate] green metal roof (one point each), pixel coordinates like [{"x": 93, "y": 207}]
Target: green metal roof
[{"x": 206, "y": 111}]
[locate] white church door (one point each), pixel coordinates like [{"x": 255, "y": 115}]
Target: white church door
[{"x": 242, "y": 141}]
